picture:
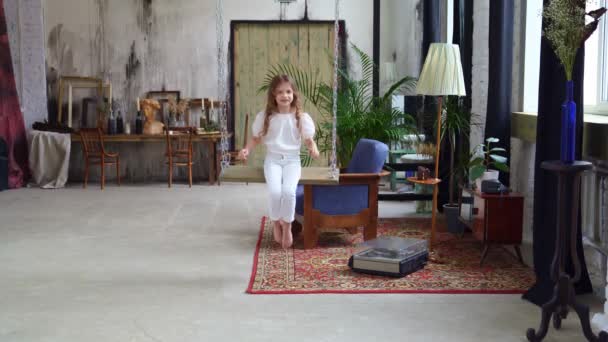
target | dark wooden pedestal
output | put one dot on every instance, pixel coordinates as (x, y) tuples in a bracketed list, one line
[(569, 180)]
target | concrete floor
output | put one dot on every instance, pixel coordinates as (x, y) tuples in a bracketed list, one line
[(147, 263)]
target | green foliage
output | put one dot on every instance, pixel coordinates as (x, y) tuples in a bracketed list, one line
[(359, 113), (485, 157), (457, 121)]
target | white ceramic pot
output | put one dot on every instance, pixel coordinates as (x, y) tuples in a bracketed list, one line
[(490, 174)]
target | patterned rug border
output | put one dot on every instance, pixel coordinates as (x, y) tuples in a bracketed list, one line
[(250, 289)]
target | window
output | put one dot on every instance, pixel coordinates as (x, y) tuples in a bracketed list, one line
[(596, 66)]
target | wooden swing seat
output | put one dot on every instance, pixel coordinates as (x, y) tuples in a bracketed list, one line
[(255, 174)]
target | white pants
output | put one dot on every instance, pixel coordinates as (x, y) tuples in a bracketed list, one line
[(282, 173)]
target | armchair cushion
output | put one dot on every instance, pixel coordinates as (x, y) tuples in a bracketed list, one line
[(334, 199), (369, 157)]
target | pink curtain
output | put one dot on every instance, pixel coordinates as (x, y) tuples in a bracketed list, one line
[(12, 127)]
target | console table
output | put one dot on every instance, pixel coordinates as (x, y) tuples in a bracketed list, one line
[(494, 219), (211, 140)]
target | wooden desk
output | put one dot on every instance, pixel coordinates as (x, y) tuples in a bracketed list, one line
[(494, 219), (211, 140)]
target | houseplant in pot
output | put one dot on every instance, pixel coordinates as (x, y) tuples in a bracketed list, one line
[(456, 124), (484, 158), (360, 114)]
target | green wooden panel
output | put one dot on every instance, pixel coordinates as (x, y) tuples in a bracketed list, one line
[(258, 47), (523, 126)]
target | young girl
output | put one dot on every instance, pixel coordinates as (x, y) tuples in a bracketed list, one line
[(282, 127)]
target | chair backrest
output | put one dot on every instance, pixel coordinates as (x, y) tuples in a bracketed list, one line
[(178, 139), (92, 141), (368, 157)]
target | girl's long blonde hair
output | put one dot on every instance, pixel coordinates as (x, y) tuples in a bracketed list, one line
[(271, 104)]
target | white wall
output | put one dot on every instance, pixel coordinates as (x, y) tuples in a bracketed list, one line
[(401, 39), (26, 32), (174, 44), (481, 62)]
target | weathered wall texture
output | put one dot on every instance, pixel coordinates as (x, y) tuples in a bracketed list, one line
[(401, 37), (26, 35), (142, 45), (481, 62)]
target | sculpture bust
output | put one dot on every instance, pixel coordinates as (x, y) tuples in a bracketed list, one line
[(150, 108)]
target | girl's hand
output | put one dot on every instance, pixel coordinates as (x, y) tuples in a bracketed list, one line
[(314, 152), (243, 154)]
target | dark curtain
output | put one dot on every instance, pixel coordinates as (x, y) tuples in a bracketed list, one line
[(498, 117), (432, 34), (431, 25), (463, 37), (12, 127), (552, 87)]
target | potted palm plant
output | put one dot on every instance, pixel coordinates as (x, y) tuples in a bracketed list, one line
[(457, 121), (359, 113)]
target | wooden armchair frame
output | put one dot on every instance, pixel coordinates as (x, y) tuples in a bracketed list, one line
[(368, 217)]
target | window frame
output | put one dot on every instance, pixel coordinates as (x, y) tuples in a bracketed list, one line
[(601, 105)]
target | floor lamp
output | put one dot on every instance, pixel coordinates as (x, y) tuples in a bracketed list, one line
[(441, 75)]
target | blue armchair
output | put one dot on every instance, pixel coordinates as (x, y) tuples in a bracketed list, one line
[(350, 204)]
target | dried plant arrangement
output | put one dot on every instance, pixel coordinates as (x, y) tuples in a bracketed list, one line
[(566, 29)]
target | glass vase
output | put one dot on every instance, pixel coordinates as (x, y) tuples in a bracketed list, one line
[(568, 133)]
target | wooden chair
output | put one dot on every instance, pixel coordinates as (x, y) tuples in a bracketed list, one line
[(179, 150), (95, 154)]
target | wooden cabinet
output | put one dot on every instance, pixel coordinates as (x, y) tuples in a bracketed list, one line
[(493, 218)]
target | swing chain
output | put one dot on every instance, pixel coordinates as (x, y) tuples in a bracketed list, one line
[(333, 169), (221, 73), (221, 85)]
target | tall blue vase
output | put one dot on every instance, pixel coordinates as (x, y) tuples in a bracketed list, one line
[(568, 134)]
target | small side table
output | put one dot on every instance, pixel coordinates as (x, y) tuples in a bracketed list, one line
[(494, 219), (569, 180)]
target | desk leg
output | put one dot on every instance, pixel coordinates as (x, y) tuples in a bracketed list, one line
[(218, 163), (484, 253), (212, 162), (433, 218)]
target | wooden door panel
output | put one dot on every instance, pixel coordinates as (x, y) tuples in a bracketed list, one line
[(258, 47)]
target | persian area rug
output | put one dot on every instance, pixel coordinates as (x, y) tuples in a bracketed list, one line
[(324, 269)]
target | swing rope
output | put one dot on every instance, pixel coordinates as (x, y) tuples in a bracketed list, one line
[(333, 171), (221, 75), (221, 86)]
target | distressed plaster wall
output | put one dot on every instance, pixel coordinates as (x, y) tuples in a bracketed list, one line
[(523, 152), (142, 45), (480, 69), (26, 39), (401, 40)]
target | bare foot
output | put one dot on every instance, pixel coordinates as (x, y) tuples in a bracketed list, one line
[(277, 232), (287, 236)]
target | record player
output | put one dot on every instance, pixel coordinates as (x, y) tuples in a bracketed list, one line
[(390, 256)]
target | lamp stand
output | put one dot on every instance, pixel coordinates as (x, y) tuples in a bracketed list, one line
[(435, 183)]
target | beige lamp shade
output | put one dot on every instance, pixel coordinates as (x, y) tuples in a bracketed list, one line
[(442, 72)]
